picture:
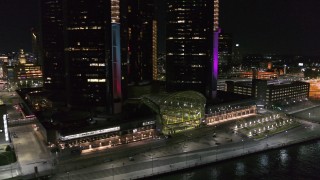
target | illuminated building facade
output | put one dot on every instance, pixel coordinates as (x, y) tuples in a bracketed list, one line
[(89, 62), (192, 46), (87, 140), (268, 92), (23, 74), (178, 111), (278, 91), (220, 114), (259, 75), (241, 87), (29, 75), (314, 89)]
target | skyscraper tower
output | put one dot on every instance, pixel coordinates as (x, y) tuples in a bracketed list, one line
[(140, 21), (51, 50), (191, 46), (88, 45)]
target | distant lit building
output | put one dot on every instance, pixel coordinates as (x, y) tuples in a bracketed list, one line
[(259, 75), (314, 89), (225, 49), (3, 64), (23, 74), (3, 59)]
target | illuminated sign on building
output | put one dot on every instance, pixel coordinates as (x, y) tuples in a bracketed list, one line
[(90, 133), (148, 123), (4, 117)]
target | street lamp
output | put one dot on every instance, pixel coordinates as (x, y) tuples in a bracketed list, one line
[(266, 140), (242, 146), (152, 162), (112, 172), (185, 151), (286, 136)]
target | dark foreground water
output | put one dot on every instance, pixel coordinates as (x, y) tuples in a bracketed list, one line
[(295, 162)]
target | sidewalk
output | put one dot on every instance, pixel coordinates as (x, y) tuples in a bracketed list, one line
[(10, 171)]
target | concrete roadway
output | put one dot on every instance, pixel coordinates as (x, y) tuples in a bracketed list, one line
[(190, 140)]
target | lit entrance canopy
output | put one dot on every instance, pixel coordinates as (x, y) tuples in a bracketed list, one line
[(178, 111)]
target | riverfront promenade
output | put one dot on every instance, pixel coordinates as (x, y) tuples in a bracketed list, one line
[(189, 155)]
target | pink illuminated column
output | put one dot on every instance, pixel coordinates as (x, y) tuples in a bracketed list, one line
[(116, 56)]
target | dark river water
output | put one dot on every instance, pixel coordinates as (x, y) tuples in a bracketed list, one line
[(300, 161)]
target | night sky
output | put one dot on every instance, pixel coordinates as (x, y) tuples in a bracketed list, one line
[(259, 26), (17, 17), (273, 26)]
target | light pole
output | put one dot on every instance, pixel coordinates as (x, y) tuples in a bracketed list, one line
[(242, 146), (184, 149), (186, 157), (266, 140), (112, 172), (216, 151), (151, 155), (286, 136), (152, 162)]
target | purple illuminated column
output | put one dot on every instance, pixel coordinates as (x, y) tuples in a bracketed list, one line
[(215, 62)]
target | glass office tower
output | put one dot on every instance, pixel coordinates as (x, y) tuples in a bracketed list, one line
[(191, 62)]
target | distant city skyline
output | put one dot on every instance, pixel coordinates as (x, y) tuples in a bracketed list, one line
[(264, 26)]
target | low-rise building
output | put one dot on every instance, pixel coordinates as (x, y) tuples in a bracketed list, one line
[(268, 92)]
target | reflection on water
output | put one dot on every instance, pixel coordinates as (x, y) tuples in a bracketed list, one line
[(283, 157), (215, 173), (295, 162), (264, 161), (240, 169)]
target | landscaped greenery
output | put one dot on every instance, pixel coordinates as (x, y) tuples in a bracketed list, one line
[(7, 155)]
